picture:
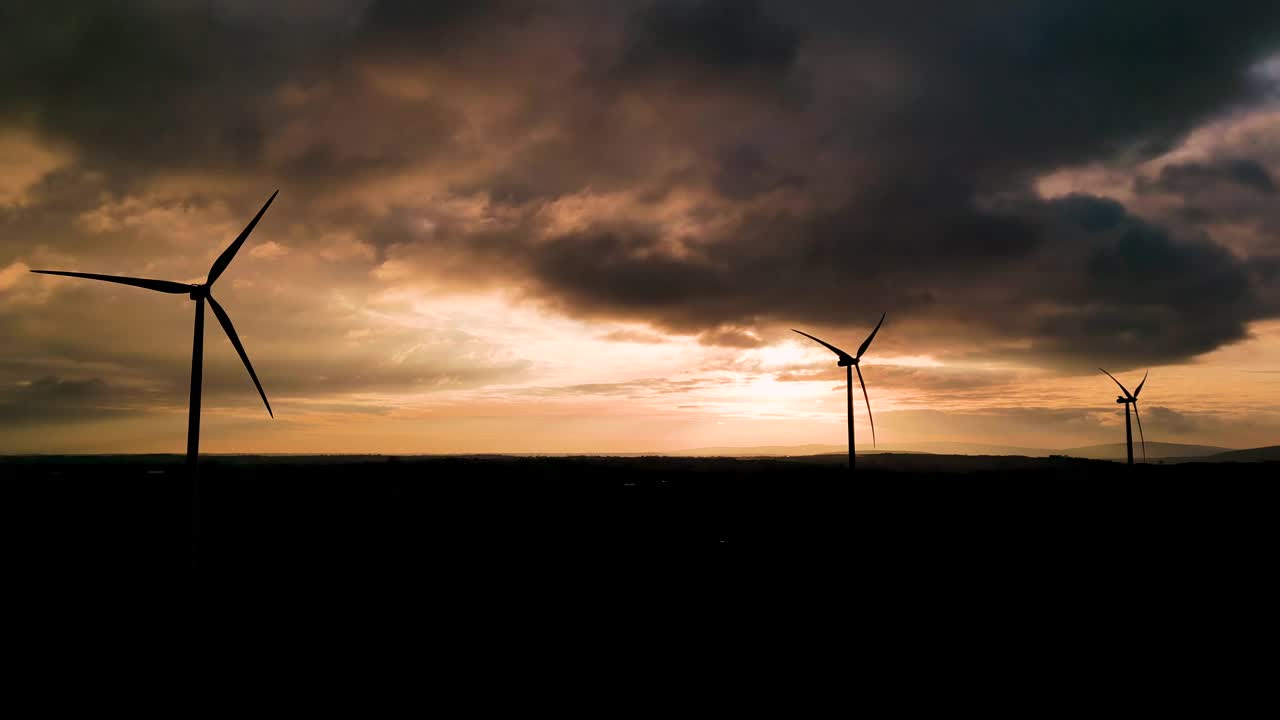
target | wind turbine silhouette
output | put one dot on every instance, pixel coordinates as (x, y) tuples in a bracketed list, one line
[(1128, 400), (200, 293), (850, 363)]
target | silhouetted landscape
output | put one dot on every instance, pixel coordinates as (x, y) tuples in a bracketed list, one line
[(552, 230), (1158, 452), (372, 512)]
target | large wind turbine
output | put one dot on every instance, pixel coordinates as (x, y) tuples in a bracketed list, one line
[(1128, 400), (850, 363), (200, 293)]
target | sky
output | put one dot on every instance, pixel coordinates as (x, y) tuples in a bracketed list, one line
[(583, 226)]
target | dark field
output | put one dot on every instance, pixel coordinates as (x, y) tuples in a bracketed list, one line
[(417, 513), (902, 513)]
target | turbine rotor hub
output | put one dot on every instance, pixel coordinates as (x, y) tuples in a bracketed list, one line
[(199, 291)]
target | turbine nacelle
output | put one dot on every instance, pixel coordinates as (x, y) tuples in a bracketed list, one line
[(199, 292), (846, 362)]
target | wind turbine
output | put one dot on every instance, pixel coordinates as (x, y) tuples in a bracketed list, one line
[(200, 293), (850, 363), (1128, 400)]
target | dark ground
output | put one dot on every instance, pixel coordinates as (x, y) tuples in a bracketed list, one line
[(1029, 584), (902, 515)]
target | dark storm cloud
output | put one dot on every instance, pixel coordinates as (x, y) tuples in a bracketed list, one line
[(709, 39), (189, 85), (623, 268), (397, 27), (1229, 192), (743, 173), (1043, 83), (1134, 293), (51, 399), (1079, 278), (835, 158), (123, 80), (1187, 178), (986, 99)]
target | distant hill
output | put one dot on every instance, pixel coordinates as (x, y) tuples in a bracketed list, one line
[(959, 448), (1262, 454), (1155, 450), (933, 448), (758, 451), (1113, 451)]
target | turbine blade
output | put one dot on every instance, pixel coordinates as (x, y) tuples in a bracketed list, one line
[(215, 271), (1139, 388), (235, 341), (1113, 377), (867, 343), (1140, 433), (864, 397), (163, 286), (843, 355)]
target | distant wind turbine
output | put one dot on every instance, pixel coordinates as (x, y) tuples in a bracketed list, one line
[(200, 293), (1128, 400), (850, 363)]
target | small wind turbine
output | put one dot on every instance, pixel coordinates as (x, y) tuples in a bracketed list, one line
[(200, 293), (1128, 400), (850, 363)]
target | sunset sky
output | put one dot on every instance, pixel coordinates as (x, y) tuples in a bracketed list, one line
[(587, 226)]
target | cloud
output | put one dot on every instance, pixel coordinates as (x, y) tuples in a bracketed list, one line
[(705, 167), (51, 399), (729, 336), (1227, 429), (269, 249), (1186, 178), (1138, 293), (709, 41), (638, 388), (11, 274), (634, 336), (408, 27), (1221, 181), (24, 162)]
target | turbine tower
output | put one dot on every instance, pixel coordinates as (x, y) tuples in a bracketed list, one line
[(200, 293), (850, 363), (1128, 400)]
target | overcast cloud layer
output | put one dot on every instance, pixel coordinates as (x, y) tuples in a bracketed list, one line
[(722, 169)]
